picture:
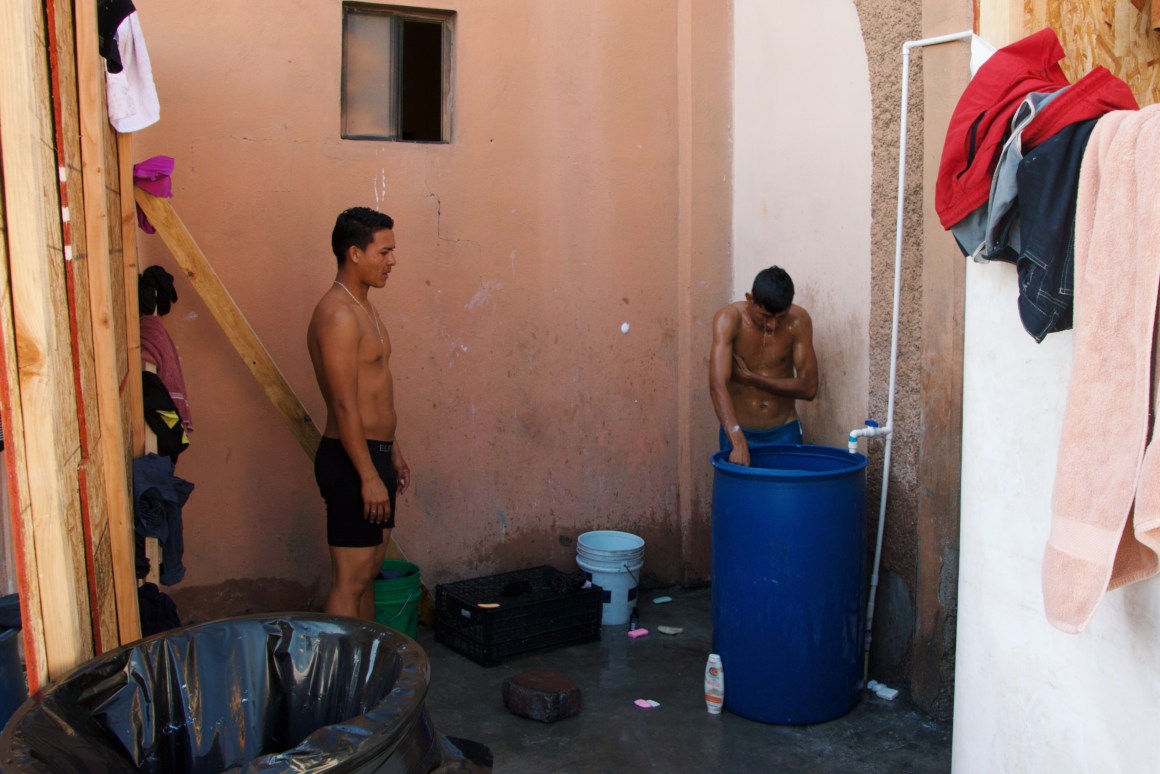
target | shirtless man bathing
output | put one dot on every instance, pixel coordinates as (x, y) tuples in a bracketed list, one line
[(359, 467), (762, 361)]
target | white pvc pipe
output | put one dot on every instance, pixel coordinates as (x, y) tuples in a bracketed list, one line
[(888, 430)]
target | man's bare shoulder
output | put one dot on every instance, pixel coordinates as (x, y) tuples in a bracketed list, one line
[(332, 315), (799, 323), (730, 315)]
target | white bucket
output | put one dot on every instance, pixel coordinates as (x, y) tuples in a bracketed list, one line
[(612, 560)]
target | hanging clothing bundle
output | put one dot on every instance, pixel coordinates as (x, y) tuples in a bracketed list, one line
[(155, 291), (129, 90), (1009, 170), (162, 418), (158, 348), (158, 497), (1105, 529), (153, 176)]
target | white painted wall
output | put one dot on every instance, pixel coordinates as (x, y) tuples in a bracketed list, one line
[(1029, 698), (801, 184)]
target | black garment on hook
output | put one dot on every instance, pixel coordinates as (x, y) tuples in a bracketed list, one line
[(110, 14), (155, 290)]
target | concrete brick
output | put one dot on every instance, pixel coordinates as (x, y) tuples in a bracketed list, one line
[(540, 695)]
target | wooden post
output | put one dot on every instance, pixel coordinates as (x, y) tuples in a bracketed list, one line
[(132, 315), (113, 440)]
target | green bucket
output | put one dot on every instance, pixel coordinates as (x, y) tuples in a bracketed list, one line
[(397, 599)]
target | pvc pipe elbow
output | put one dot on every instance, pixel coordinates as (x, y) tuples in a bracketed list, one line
[(870, 431)]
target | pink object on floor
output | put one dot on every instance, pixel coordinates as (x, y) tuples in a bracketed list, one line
[(638, 633)]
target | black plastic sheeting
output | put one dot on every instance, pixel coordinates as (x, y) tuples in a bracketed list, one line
[(283, 693)]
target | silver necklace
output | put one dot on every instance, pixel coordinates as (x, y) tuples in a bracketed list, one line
[(374, 319)]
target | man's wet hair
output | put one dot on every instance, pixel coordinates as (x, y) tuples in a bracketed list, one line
[(356, 227), (773, 289)]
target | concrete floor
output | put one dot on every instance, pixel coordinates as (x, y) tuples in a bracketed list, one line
[(612, 735)]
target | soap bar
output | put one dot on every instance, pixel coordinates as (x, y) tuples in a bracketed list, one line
[(662, 600), (638, 633)]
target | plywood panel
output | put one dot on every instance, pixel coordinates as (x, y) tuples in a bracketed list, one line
[(1112, 33), (107, 631)]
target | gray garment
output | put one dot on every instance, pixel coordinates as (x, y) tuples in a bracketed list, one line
[(991, 232)]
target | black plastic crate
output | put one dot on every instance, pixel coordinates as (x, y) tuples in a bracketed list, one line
[(536, 608)]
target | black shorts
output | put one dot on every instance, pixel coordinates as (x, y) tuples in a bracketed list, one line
[(341, 488)]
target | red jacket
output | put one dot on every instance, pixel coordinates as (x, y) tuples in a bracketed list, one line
[(983, 116), (1096, 93)]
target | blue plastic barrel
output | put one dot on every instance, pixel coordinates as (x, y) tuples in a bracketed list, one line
[(789, 565)]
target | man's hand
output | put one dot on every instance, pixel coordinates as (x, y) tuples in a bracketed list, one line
[(376, 501), (739, 455), (741, 371), (402, 471)]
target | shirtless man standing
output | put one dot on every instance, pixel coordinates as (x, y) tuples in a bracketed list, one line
[(358, 466), (761, 362)]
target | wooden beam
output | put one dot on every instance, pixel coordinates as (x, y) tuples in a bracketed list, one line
[(943, 272), (1000, 21), (225, 310), (18, 512), (113, 439), (132, 314), (51, 530)]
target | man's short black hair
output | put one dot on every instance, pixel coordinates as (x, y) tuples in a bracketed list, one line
[(357, 227), (773, 289)]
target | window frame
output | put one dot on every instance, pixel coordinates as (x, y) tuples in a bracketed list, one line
[(399, 13)]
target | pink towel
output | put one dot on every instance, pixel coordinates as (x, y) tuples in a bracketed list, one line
[(157, 348), (1105, 529)]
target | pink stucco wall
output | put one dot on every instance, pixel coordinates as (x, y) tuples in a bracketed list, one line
[(554, 217)]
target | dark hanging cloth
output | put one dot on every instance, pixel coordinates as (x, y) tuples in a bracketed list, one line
[(1048, 180), (110, 14), (158, 611), (155, 291), (162, 417), (158, 497), (9, 612)]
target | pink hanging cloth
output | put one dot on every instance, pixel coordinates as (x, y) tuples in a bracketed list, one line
[(158, 348), (152, 176)]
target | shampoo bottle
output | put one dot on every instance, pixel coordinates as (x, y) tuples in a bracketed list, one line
[(714, 684)]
